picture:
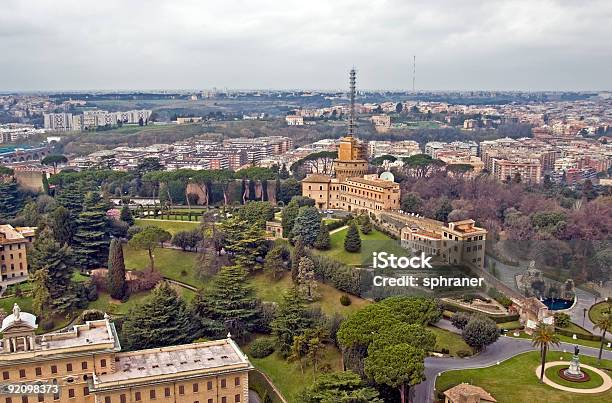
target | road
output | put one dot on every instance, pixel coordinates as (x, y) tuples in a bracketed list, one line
[(504, 348), (254, 397)]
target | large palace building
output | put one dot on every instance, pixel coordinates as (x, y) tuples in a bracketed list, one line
[(88, 366), (352, 189)]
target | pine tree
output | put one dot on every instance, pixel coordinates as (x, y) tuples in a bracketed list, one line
[(126, 215), (306, 279), (366, 225), (61, 225), (92, 236), (47, 254), (307, 225), (115, 280), (323, 241), (230, 302), (292, 319), (9, 199), (273, 264), (283, 173), (162, 320), (290, 213), (245, 242), (352, 242), (298, 253), (71, 197)]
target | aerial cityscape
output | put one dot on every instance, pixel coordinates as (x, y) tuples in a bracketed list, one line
[(371, 208)]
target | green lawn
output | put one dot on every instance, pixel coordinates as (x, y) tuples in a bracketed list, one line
[(172, 263), (449, 340), (552, 373), (269, 290), (514, 380), (574, 328), (287, 375), (597, 309), (105, 303), (510, 325), (171, 226), (373, 242), (24, 302)]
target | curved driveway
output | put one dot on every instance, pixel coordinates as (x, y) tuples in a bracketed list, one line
[(504, 348)]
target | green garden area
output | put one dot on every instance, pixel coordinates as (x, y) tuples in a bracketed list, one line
[(171, 226), (287, 376), (375, 241), (598, 309), (515, 380), (171, 263)]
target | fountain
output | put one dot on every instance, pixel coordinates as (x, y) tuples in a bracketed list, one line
[(573, 372)]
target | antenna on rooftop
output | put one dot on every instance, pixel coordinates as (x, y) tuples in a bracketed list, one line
[(352, 86), (413, 71)]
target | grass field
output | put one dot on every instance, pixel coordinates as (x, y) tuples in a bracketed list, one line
[(449, 340), (171, 226), (105, 303), (174, 264), (288, 377), (597, 309), (514, 380), (373, 242), (272, 291)]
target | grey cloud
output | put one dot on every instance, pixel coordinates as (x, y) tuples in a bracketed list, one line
[(467, 44)]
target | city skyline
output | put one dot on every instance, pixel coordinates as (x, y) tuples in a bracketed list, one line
[(468, 46)]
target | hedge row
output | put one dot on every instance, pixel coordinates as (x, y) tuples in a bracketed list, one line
[(495, 318)]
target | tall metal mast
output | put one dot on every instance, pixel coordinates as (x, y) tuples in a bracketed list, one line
[(351, 121), (413, 71)]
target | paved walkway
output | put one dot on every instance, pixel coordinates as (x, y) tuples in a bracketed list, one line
[(607, 382), (253, 397), (501, 350)]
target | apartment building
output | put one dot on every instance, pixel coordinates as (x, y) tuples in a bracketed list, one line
[(382, 123), (59, 122), (88, 366), (13, 253), (434, 147), (529, 170), (294, 120), (399, 149)]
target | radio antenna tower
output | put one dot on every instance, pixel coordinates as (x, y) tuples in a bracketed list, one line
[(413, 71), (351, 119)]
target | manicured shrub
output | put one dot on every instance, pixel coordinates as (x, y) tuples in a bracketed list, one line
[(262, 348), (345, 300), (463, 353)]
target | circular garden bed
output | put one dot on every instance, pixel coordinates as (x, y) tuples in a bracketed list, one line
[(593, 380)]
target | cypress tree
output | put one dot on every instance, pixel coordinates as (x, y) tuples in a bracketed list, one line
[(352, 242), (229, 301), (126, 215), (115, 280), (161, 320), (9, 199), (298, 253), (323, 241), (92, 236)]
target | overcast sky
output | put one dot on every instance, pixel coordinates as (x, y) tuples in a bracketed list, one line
[(248, 44)]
